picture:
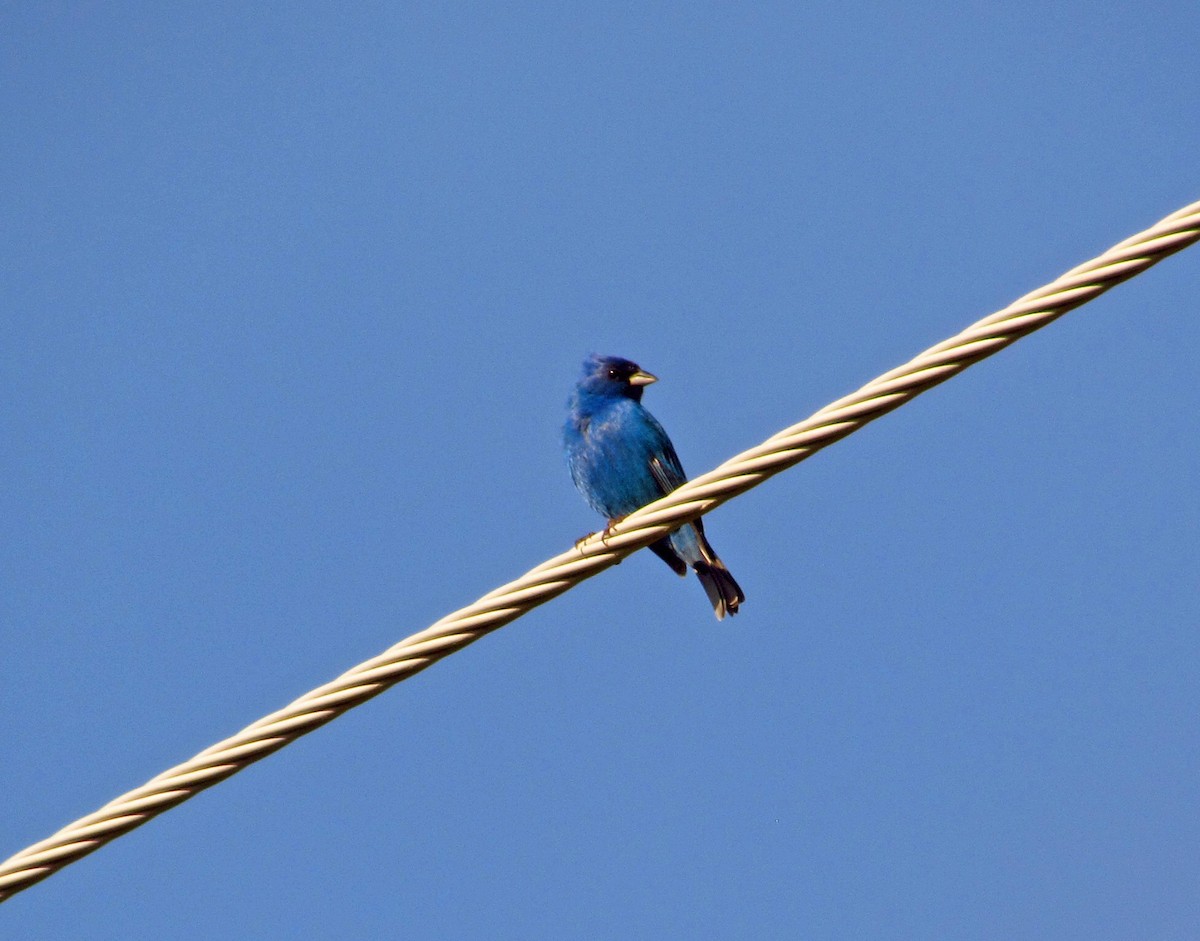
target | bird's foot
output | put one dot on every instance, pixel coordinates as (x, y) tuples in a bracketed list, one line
[(582, 539), (603, 535), (609, 528)]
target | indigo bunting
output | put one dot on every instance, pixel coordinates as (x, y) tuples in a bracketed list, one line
[(621, 459)]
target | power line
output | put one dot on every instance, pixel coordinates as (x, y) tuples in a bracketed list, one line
[(594, 555)]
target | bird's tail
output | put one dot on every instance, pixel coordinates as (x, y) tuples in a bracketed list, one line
[(724, 593)]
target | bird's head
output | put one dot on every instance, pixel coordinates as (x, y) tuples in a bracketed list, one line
[(613, 376)]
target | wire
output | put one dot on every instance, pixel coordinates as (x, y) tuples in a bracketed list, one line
[(597, 553)]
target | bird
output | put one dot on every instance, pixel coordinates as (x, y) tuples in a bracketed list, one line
[(620, 459)]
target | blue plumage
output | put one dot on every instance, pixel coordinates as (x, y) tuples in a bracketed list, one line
[(621, 459)]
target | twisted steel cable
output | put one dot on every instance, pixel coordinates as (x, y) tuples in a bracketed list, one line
[(599, 552)]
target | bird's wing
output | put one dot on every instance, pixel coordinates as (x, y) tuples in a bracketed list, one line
[(668, 474), (666, 470)]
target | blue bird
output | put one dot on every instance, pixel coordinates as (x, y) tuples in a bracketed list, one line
[(621, 459)]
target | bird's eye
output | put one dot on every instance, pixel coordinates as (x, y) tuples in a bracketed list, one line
[(614, 373)]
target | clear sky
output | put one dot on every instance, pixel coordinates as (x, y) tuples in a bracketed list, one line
[(293, 296)]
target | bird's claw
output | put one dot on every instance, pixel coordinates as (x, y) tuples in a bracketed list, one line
[(609, 528), (581, 540), (603, 535)]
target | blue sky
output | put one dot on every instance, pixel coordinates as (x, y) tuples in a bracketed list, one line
[(295, 296)]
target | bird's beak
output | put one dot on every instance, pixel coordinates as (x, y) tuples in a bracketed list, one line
[(642, 378)]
